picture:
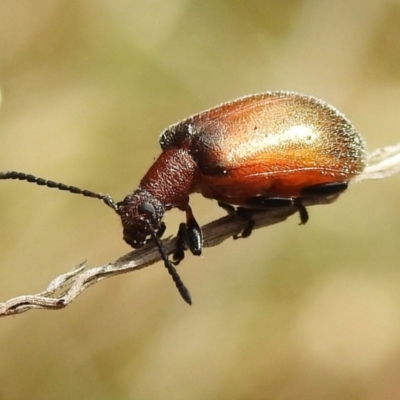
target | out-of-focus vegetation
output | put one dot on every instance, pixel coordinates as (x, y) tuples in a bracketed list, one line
[(291, 313)]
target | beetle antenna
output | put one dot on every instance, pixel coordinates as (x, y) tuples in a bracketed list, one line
[(184, 292), (61, 186)]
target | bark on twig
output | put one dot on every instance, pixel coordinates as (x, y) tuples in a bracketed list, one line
[(64, 289)]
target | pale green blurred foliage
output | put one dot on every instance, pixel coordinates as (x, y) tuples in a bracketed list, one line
[(291, 313)]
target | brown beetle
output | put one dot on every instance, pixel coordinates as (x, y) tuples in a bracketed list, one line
[(261, 151)]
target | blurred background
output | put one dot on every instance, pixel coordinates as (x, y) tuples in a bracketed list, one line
[(309, 312)]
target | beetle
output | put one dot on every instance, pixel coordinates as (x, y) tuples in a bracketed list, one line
[(268, 150)]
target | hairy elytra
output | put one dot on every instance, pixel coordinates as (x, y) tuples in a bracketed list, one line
[(262, 151)]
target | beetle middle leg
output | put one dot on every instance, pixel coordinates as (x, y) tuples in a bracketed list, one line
[(243, 213)]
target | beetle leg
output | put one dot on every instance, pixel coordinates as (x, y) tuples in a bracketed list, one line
[(247, 215), (228, 208), (325, 189), (261, 203), (161, 229), (302, 210), (243, 213), (179, 253), (189, 236), (193, 234)]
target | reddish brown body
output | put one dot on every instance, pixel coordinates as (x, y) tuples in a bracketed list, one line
[(271, 145), (267, 150), (268, 144)]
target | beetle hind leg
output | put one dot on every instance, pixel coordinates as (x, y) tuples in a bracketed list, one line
[(304, 217), (325, 189)]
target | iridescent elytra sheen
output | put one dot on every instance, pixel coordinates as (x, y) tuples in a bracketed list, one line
[(275, 149)]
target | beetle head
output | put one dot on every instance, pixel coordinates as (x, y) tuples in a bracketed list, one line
[(141, 213)]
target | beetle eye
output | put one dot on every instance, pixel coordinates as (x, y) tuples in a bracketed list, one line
[(147, 208)]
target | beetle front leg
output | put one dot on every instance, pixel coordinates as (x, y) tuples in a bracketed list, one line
[(189, 236)]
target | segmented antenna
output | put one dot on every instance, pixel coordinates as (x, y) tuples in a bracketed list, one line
[(60, 186), (183, 290)]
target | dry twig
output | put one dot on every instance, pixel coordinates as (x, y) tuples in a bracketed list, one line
[(67, 287)]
